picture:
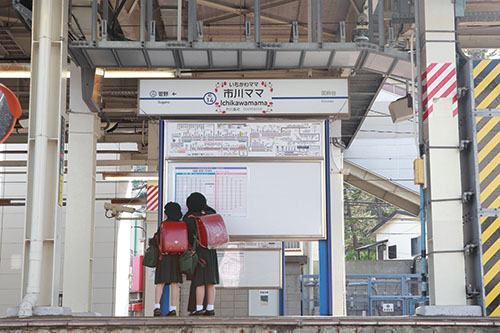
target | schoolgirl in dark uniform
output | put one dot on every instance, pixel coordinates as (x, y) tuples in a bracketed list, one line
[(204, 278), (167, 270)]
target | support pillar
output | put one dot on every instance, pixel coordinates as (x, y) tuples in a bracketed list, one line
[(79, 230), (440, 127), (151, 226), (331, 250), (151, 223), (123, 248), (337, 222), (47, 104)]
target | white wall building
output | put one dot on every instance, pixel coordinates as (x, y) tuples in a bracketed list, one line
[(401, 233)]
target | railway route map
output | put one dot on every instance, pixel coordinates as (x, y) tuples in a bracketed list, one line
[(269, 139)]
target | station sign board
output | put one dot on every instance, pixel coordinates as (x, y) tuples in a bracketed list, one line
[(258, 97)]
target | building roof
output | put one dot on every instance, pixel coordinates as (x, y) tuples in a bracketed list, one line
[(389, 218), (365, 247)]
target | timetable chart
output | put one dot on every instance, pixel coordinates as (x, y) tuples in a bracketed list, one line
[(226, 188), (269, 139)]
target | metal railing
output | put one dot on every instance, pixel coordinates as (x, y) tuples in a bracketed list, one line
[(381, 294), (310, 295), (368, 294)]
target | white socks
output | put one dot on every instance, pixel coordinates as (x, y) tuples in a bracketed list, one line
[(157, 306), (210, 307), (199, 307), (173, 308)]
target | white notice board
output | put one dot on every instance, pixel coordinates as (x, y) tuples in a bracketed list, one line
[(262, 97), (259, 201), (250, 268)]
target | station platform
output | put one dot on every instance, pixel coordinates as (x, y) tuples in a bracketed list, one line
[(251, 324)]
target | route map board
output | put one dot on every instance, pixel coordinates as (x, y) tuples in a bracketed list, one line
[(275, 200), (224, 187), (269, 139)]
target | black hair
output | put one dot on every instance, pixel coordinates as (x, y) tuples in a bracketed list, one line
[(173, 211)]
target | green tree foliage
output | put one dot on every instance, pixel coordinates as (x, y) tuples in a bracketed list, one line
[(477, 54), (362, 212)]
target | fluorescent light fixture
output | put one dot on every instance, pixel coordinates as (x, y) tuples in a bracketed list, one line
[(129, 176), (20, 74), (108, 73), (15, 74), (139, 74)]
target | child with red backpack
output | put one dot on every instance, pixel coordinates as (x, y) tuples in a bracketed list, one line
[(167, 269), (204, 278)]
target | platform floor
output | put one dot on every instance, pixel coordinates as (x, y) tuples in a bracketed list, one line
[(251, 324)]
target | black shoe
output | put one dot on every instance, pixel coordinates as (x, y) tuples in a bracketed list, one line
[(209, 313), (171, 313), (197, 313), (157, 312)]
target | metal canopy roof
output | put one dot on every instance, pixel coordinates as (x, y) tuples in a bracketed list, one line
[(370, 65), (238, 56)]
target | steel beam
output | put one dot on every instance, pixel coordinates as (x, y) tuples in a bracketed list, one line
[(149, 20), (381, 188), (370, 21), (381, 25), (191, 20), (256, 21), (142, 20), (93, 27), (319, 22), (470, 183), (312, 21)]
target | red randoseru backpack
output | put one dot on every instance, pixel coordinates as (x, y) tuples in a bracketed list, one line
[(211, 230), (173, 237)]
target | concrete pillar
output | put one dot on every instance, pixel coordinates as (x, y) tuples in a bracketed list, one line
[(443, 192), (47, 104), (151, 225), (79, 230), (153, 145), (337, 224), (123, 247)]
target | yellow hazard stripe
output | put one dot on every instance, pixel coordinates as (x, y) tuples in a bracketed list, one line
[(487, 80), (490, 98), (492, 295), (489, 146), (489, 168), (491, 251), (491, 230), (487, 128), (495, 183), (486, 92), (480, 66), (494, 204), (488, 276), (496, 312)]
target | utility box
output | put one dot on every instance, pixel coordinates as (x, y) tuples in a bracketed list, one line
[(263, 302), (419, 171)]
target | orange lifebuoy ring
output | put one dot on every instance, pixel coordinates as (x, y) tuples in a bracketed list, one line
[(14, 108)]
